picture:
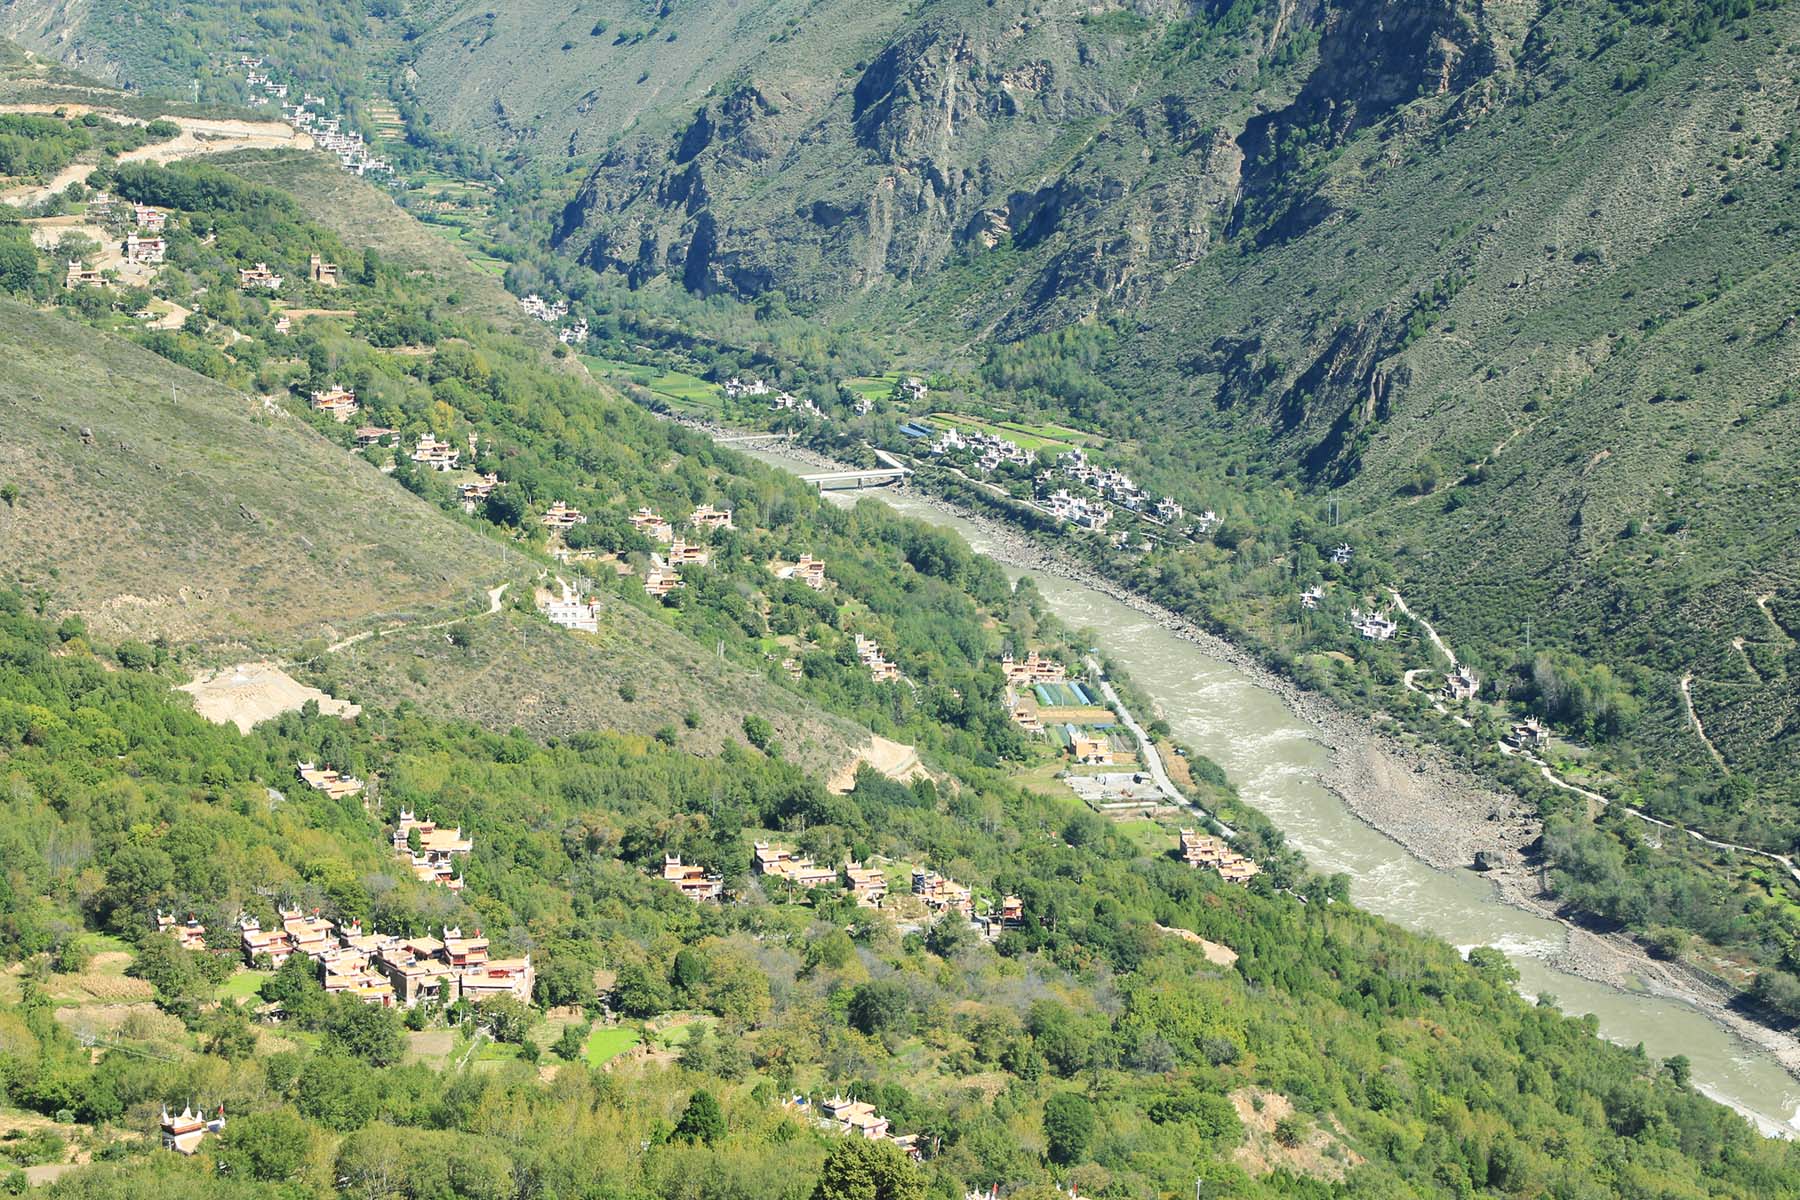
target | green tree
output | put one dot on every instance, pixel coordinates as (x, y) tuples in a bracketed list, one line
[(881, 1006), (570, 1045), (859, 1169), (758, 732), (564, 980), (269, 1146), (508, 1019), (18, 264), (640, 991), (1068, 1127), (687, 975), (366, 1031), (703, 1120)]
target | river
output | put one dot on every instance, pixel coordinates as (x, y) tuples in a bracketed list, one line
[(1274, 759)]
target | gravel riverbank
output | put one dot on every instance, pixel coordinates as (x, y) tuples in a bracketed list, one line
[(1439, 811)]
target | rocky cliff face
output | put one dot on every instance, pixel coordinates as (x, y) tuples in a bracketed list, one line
[(1109, 150)]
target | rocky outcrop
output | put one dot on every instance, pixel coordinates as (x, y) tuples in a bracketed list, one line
[(963, 134), (1374, 56)]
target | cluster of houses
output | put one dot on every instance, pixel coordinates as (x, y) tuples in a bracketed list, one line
[(571, 611), (260, 276), (435, 454), (1033, 668), (855, 1118), (809, 570), (575, 333), (307, 116), (779, 401), (664, 573), (1528, 734), (1115, 485), (189, 934), (788, 402), (183, 1132), (881, 669), (868, 885), (740, 389), (145, 250), (1079, 511), (434, 859), (709, 518), (562, 516), (942, 894), (1203, 850), (473, 492), (386, 969), (547, 311), (652, 525), (1010, 915), (80, 276), (988, 451), (660, 579), (1090, 747), (694, 882), (1460, 685), (338, 402), (1310, 598), (324, 779), (778, 862), (1376, 626)]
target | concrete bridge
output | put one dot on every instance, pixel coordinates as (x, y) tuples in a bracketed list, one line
[(832, 481)]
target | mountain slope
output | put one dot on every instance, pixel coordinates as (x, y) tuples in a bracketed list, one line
[(153, 502)]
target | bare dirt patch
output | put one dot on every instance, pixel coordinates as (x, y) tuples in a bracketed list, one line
[(249, 693), (897, 762), (1217, 953), (1316, 1151)]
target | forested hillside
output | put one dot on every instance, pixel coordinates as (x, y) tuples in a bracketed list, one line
[(1090, 1047)]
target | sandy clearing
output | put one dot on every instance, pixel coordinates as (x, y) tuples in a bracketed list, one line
[(249, 693), (1318, 1153), (897, 762), (1218, 954), (198, 136)]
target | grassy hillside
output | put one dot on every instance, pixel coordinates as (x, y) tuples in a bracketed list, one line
[(154, 502)]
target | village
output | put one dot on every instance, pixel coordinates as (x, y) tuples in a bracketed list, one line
[(329, 132)]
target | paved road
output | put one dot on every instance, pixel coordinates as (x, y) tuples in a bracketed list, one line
[(1147, 750)]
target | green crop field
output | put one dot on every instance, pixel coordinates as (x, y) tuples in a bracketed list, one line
[(607, 1043), (241, 987), (683, 391), (1028, 437), (873, 387)]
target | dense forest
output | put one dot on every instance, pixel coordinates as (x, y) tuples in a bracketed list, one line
[(1091, 1047)]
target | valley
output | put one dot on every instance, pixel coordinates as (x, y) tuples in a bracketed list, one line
[(1316, 421)]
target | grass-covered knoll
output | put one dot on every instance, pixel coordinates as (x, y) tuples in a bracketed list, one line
[(1086, 1047), (154, 502)]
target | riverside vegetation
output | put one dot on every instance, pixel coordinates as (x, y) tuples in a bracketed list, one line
[(1089, 1048)]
